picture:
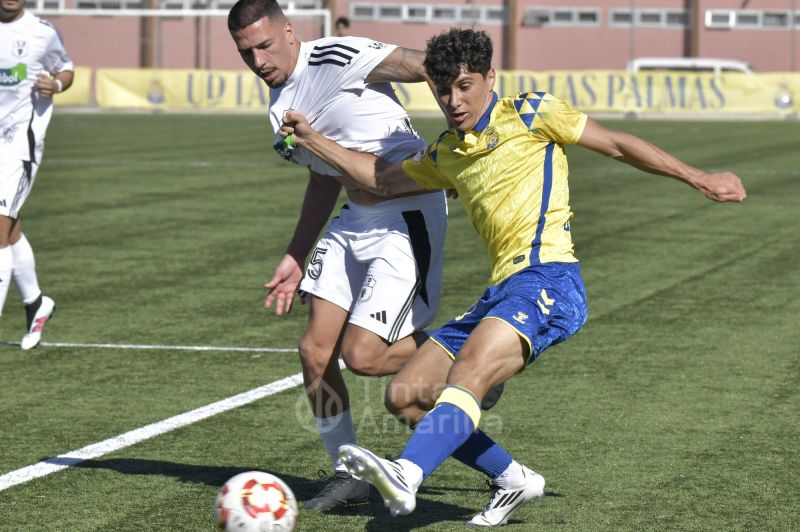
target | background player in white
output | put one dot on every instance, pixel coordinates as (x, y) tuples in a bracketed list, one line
[(33, 66), (375, 275)]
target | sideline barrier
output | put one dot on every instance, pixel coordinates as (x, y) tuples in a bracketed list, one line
[(599, 91), (80, 93), (224, 90)]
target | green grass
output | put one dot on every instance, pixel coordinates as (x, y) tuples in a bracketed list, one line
[(676, 408)]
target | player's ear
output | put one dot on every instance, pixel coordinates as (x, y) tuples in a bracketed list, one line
[(490, 77), (289, 30)]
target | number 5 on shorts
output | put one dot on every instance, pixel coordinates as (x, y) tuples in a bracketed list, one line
[(315, 264)]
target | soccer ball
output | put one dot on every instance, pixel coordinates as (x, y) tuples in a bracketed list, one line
[(255, 502)]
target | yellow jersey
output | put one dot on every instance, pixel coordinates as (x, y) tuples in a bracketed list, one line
[(510, 172)]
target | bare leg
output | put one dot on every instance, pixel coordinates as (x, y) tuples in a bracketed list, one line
[(319, 349), (415, 388), (367, 354)]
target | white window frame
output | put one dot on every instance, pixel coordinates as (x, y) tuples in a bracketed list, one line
[(740, 14), (443, 7), (454, 14), (42, 5), (683, 13), (381, 16), (499, 10), (639, 15), (355, 7), (409, 18), (598, 16), (465, 16), (550, 14), (728, 14), (778, 12), (621, 10)]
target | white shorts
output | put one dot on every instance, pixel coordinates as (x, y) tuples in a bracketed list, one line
[(16, 181), (383, 264)]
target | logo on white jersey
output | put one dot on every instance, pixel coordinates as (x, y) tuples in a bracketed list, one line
[(377, 45), (19, 48), (14, 75)]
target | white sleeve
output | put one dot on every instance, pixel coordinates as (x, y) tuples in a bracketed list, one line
[(55, 57), (348, 60)]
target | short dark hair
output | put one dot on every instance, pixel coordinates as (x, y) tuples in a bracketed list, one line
[(246, 12), (449, 52), (342, 21)]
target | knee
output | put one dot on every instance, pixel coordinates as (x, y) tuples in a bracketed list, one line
[(363, 358), (396, 398), (313, 357)]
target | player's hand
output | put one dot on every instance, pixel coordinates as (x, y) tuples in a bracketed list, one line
[(45, 85), (283, 285), (722, 186), (295, 124)]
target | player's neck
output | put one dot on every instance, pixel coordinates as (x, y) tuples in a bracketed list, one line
[(9, 17)]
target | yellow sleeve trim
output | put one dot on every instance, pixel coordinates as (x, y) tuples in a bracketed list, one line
[(579, 129)]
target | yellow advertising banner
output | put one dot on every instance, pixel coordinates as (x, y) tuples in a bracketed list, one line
[(80, 93), (592, 91), (224, 90), (662, 92)]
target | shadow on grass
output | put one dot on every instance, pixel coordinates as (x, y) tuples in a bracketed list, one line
[(428, 511)]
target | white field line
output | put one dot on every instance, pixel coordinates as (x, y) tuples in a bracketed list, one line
[(157, 347), (140, 163), (63, 461)]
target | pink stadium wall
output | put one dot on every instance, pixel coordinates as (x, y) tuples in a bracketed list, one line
[(183, 43)]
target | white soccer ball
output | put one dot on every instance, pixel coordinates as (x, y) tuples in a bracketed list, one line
[(255, 502)]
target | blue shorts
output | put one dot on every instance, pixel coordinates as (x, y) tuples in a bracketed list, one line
[(545, 304)]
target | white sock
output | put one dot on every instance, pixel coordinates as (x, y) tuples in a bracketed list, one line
[(6, 260), (512, 476), (412, 473), (335, 431), (24, 271)]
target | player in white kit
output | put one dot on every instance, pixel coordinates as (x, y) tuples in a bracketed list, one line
[(33, 66), (375, 276)]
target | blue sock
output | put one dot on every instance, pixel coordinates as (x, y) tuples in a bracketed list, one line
[(443, 430), (483, 454)]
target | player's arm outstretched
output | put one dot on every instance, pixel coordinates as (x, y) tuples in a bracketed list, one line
[(363, 170), (627, 148), (318, 203)]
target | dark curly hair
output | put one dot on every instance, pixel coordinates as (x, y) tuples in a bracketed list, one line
[(447, 53), (246, 12)]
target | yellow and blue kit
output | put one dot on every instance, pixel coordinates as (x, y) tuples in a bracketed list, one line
[(511, 173)]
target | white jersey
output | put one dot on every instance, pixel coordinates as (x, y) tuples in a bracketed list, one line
[(28, 47), (328, 87)]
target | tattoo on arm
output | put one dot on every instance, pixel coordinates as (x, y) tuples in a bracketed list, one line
[(402, 65)]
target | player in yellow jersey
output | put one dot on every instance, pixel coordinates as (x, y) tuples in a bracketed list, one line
[(505, 158)]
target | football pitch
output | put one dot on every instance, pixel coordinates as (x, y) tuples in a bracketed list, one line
[(677, 407)]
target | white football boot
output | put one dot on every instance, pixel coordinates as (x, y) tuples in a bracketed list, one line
[(505, 500), (397, 481), (37, 318)]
